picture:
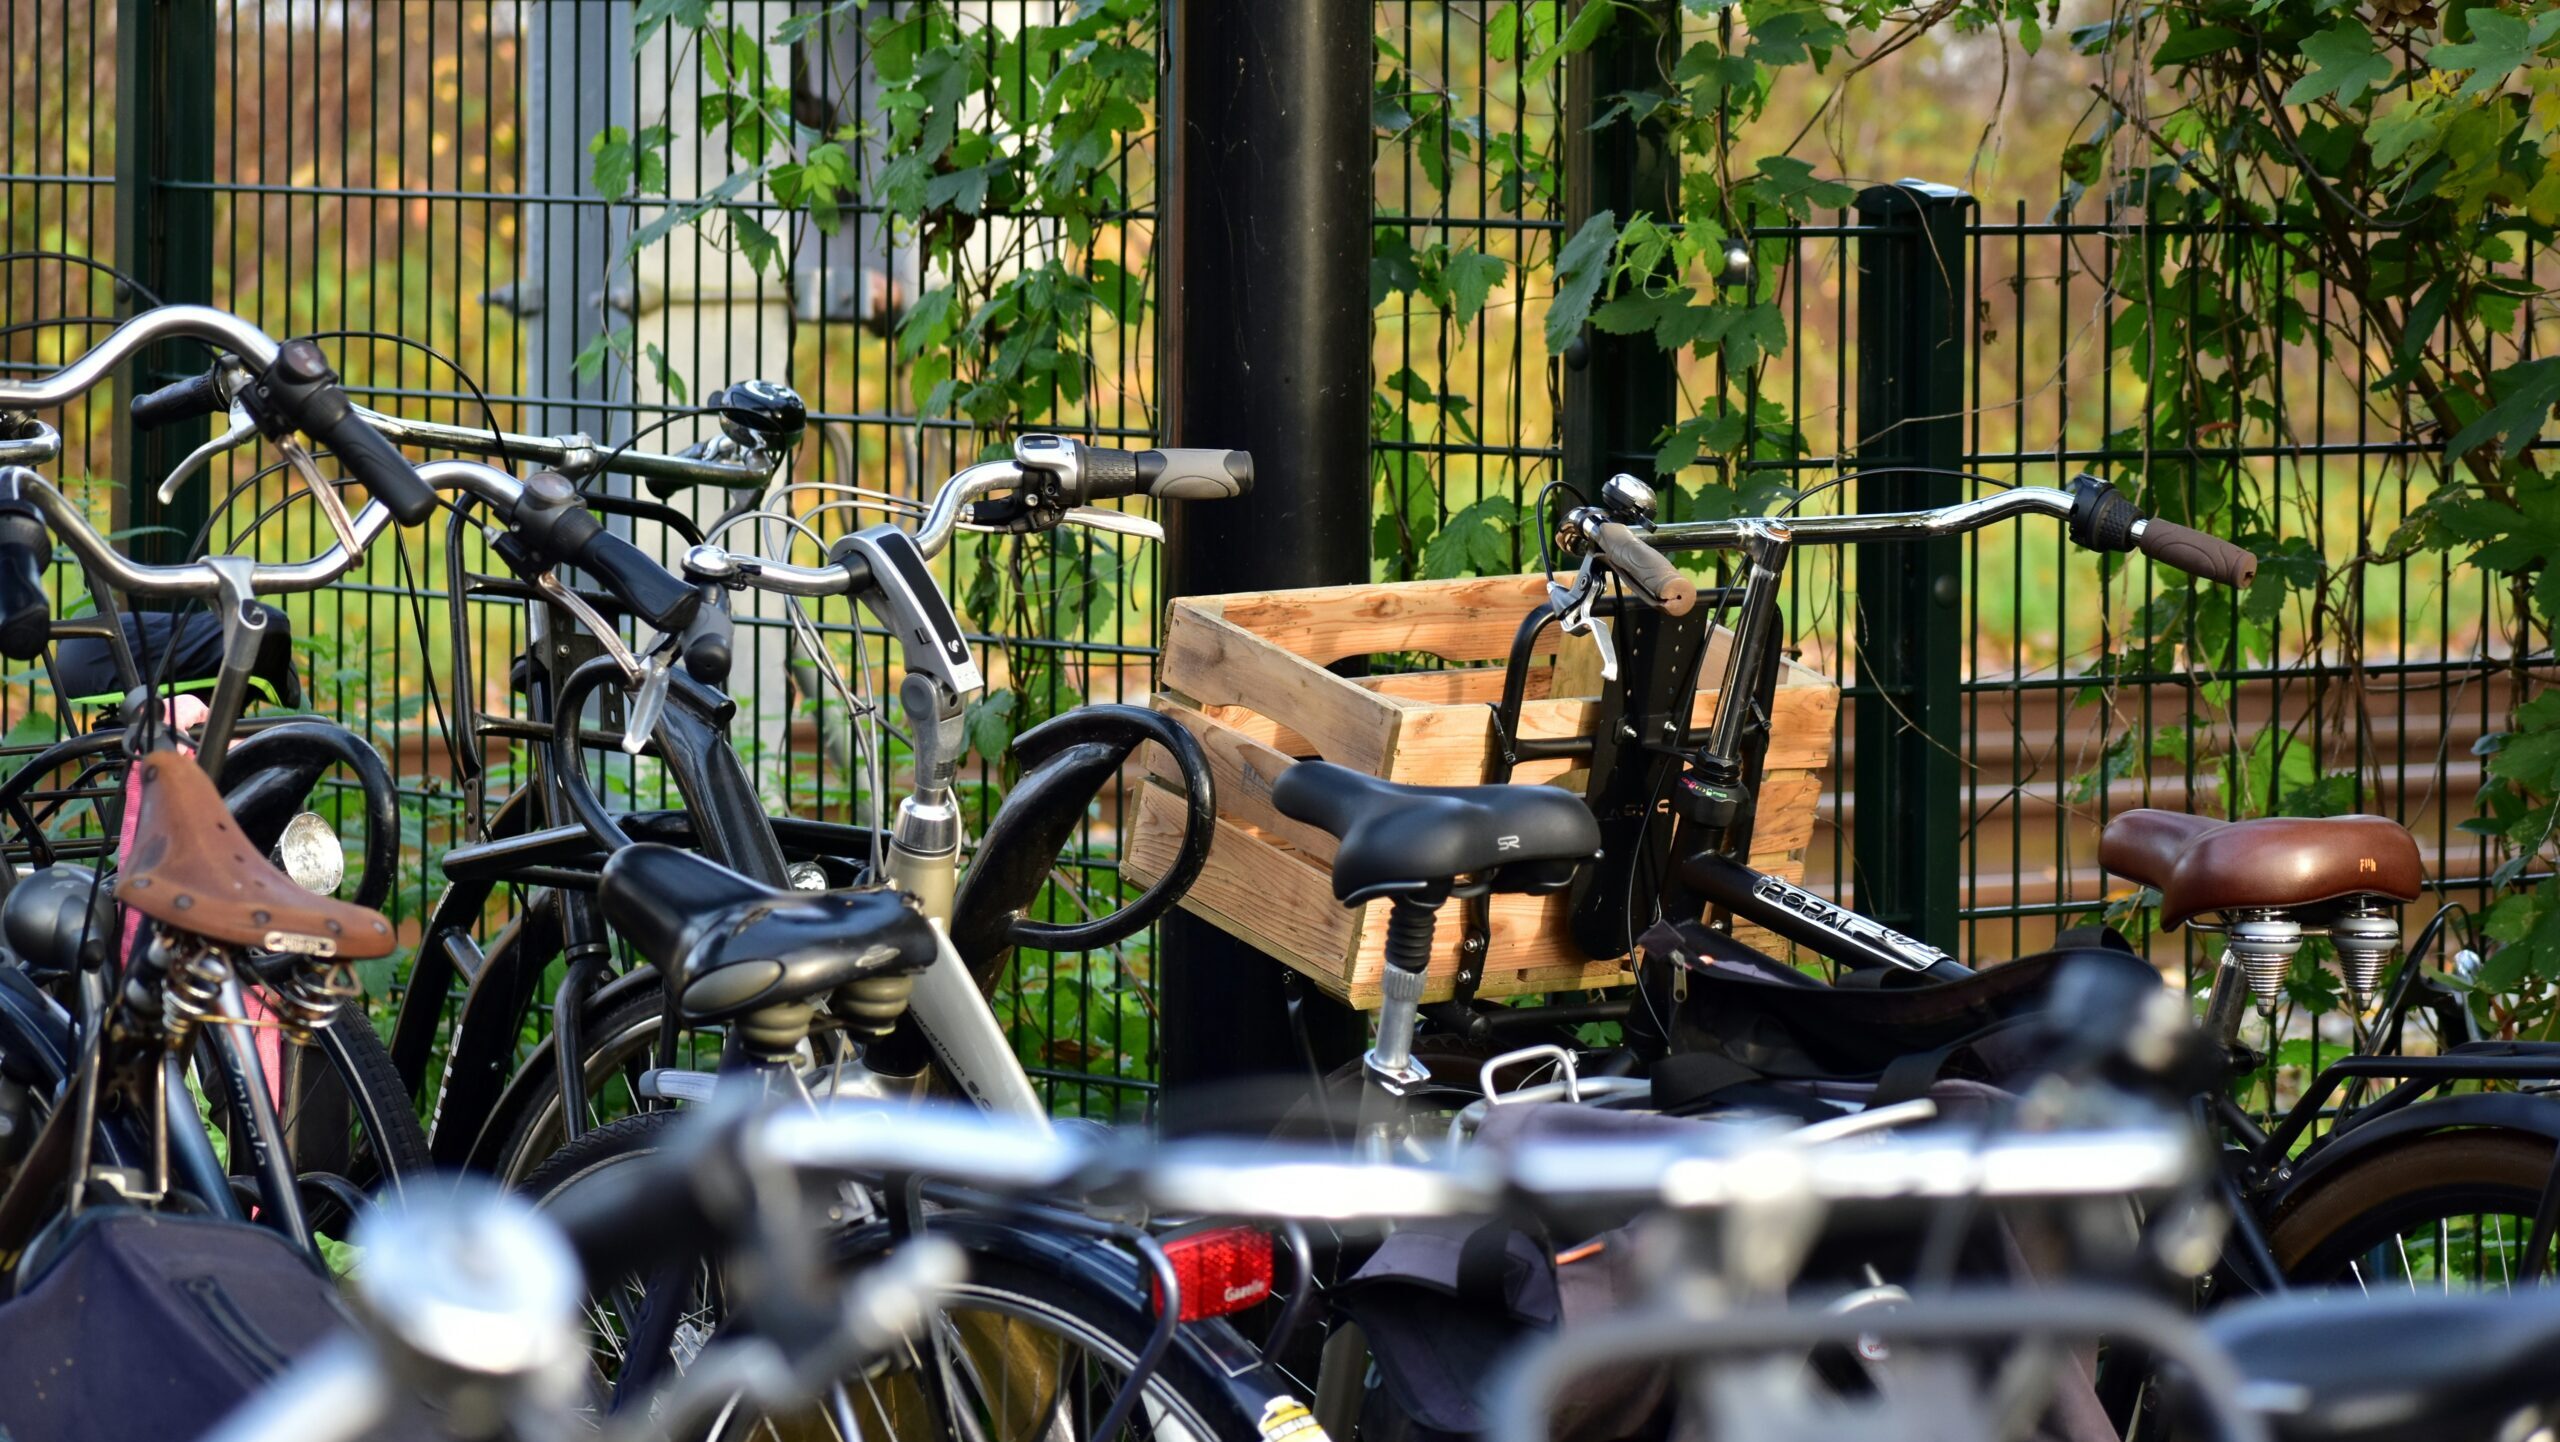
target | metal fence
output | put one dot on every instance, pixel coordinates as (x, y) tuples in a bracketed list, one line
[(422, 170)]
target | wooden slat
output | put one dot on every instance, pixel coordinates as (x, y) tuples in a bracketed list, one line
[(1527, 953), (1479, 686), (1250, 889), (1243, 770), (1473, 619), (1217, 664)]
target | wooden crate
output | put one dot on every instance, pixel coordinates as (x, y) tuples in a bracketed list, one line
[(1246, 674)]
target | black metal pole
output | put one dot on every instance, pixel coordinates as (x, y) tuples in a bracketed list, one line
[(1620, 391), (1265, 326), (164, 239), (1913, 323)]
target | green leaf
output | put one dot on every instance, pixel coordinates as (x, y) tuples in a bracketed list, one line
[(1790, 183), (615, 162), (651, 16), (2499, 44), (589, 361), (1472, 275), (2347, 65), (2527, 392), (2194, 44), (1580, 268), (1118, 291), (760, 246), (667, 377), (989, 722)]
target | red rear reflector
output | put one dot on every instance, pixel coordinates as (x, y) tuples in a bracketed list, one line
[(1221, 1270)]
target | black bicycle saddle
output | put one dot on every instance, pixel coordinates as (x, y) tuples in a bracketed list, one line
[(729, 945), (2337, 1365), (1417, 840)]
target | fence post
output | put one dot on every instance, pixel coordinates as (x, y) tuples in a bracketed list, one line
[(1620, 391), (1913, 328), (164, 239), (1264, 329)]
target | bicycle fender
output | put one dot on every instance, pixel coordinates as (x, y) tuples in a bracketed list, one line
[(2502, 1111), (1108, 1271)]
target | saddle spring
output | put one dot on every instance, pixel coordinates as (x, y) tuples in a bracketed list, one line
[(309, 998), (189, 993)]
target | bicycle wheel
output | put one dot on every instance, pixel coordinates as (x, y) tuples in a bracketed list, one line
[(345, 1114), (2440, 1212), (1018, 1351), (524, 1126)]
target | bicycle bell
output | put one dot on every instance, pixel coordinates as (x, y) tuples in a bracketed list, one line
[(1624, 495), (761, 415)]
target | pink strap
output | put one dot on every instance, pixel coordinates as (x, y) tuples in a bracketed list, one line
[(185, 713)]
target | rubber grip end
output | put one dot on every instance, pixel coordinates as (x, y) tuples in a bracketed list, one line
[(1643, 567), (1195, 475), (2206, 557)]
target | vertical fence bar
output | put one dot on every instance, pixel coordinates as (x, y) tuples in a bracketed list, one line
[(1619, 390), (1265, 341), (1913, 356), (164, 239)]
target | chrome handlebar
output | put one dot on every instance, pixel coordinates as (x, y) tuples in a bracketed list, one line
[(207, 579), (573, 455), (169, 322), (1714, 1168), (1859, 526)]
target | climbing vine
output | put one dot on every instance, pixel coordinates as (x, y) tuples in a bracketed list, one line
[(2371, 185)]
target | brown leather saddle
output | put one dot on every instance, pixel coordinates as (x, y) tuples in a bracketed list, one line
[(2201, 866), (192, 869)]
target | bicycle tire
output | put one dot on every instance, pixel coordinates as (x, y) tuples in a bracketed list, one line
[(363, 1087), (523, 1129), (2483, 1182), (1192, 1394)]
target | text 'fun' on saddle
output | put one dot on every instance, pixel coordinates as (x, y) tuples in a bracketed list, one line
[(192, 869), (728, 944), (1400, 840), (2204, 867)]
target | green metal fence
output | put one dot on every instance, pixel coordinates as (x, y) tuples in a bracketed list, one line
[(423, 169)]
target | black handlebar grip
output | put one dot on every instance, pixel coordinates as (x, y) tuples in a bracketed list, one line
[(2207, 557), (662, 598), (191, 399), (26, 614), (305, 390), (1635, 559), (1195, 475), (1105, 474)]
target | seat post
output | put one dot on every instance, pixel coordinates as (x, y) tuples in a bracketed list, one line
[(1390, 1063)]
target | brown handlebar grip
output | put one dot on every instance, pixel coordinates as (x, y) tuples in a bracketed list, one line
[(1633, 558), (2207, 557)]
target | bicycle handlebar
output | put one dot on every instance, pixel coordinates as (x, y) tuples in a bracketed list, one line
[(203, 580), (2101, 520), (1640, 565)]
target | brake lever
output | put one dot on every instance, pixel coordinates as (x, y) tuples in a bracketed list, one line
[(607, 636), (649, 702), (323, 493), (242, 431), (1574, 618), (1119, 523)]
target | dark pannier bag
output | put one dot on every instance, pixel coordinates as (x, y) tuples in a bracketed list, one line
[(148, 1327)]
